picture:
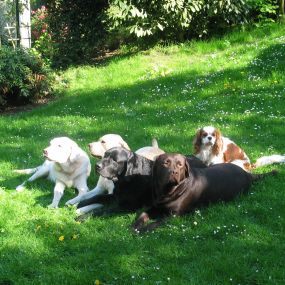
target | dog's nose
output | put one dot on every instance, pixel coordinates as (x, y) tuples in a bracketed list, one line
[(90, 145), (45, 152), (174, 172), (209, 138), (98, 166)]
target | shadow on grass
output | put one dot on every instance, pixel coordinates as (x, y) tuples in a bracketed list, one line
[(187, 99), (168, 108)]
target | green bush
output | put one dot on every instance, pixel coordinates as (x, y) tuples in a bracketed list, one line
[(23, 77), (264, 10), (67, 32), (175, 19)]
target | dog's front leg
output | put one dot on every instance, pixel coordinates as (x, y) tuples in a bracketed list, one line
[(141, 226), (58, 192), (140, 222), (81, 185), (79, 198)]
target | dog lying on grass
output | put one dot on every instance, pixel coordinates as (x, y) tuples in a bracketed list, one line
[(178, 188), (104, 185), (213, 148), (132, 177), (67, 165)]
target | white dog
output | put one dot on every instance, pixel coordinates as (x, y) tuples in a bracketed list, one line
[(97, 149), (66, 164)]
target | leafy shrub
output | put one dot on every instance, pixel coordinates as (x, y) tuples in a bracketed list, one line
[(175, 19), (23, 77), (74, 31), (264, 10), (41, 35)]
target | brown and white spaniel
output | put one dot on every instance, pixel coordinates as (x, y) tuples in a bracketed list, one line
[(212, 148)]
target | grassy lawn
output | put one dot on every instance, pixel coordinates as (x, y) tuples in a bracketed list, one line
[(236, 83)]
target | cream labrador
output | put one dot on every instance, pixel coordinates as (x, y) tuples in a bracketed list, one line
[(66, 164), (97, 149)]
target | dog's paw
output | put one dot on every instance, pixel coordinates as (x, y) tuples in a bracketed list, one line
[(79, 212), (135, 230), (70, 206), (137, 227), (52, 206), (20, 188)]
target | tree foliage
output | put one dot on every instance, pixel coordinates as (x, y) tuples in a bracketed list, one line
[(76, 28), (264, 10), (78, 31), (175, 17)]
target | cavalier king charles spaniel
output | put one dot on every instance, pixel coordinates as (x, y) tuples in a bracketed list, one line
[(212, 148)]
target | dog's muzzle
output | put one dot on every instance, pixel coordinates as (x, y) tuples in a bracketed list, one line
[(45, 154)]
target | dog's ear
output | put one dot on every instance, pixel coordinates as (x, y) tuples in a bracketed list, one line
[(218, 143), (122, 161), (124, 145), (74, 153), (197, 141), (125, 154), (122, 167), (187, 168)]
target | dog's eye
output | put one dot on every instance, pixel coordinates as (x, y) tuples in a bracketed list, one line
[(59, 145), (166, 162), (103, 142), (204, 135), (213, 135)]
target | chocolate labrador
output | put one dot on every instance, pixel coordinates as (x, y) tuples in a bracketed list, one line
[(178, 188)]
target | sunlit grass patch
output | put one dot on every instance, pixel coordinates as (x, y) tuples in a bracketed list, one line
[(236, 83)]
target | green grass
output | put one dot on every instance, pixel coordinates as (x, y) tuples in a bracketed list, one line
[(236, 83)]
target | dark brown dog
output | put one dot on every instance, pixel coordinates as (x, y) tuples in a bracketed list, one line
[(177, 188)]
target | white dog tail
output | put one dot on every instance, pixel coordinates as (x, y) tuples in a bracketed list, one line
[(26, 171), (154, 143), (267, 160)]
